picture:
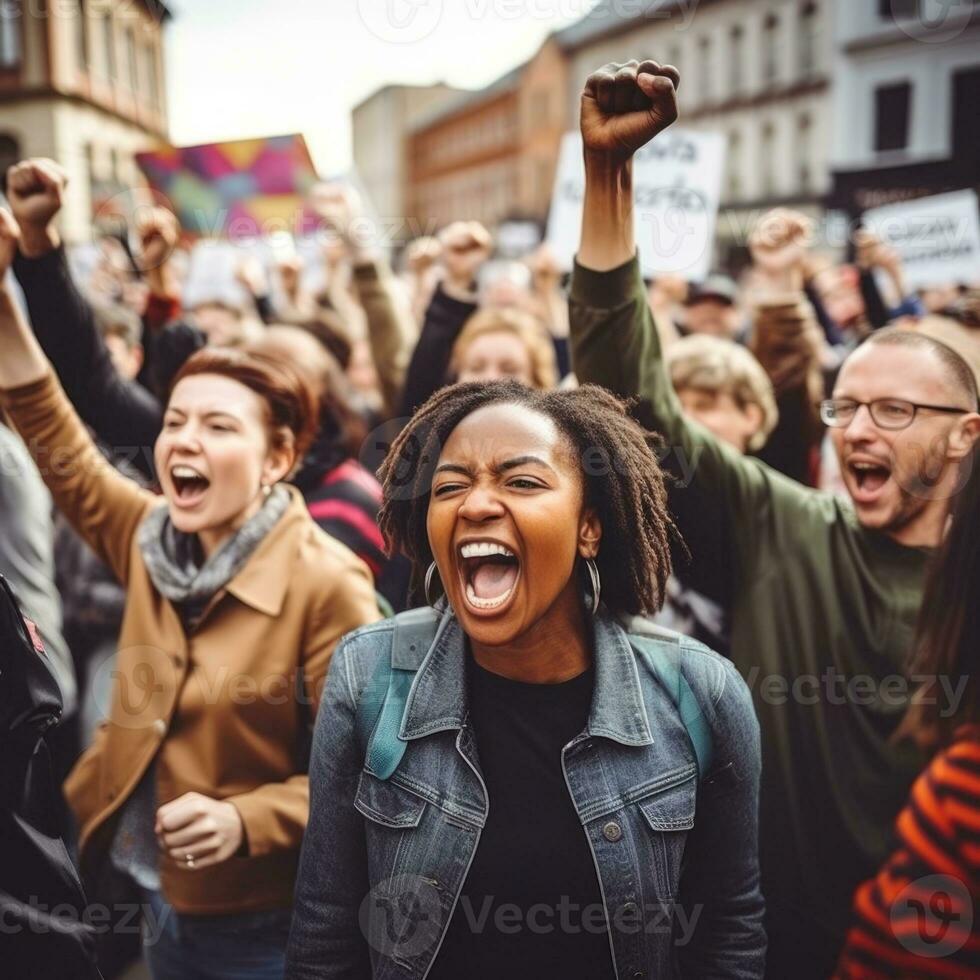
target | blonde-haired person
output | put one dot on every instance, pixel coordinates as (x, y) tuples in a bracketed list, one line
[(504, 343), (721, 385)]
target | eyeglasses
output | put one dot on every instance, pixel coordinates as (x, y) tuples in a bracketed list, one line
[(887, 413)]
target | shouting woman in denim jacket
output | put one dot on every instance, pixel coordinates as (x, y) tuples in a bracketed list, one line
[(551, 786)]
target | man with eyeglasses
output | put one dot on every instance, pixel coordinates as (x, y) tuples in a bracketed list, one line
[(822, 592)]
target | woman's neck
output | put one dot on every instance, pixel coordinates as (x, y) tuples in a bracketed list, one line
[(557, 648)]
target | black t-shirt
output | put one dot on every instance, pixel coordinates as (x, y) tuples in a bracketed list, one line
[(530, 906)]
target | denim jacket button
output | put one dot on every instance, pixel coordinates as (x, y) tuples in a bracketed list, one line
[(612, 831)]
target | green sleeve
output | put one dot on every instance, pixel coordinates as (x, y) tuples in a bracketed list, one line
[(727, 507)]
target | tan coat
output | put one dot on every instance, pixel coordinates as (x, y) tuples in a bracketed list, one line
[(225, 711)]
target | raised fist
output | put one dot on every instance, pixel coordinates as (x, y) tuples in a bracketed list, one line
[(9, 236), (158, 233), (466, 245), (36, 190), (780, 239), (873, 253), (422, 254), (625, 105)]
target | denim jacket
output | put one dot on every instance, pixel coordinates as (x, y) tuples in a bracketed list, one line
[(384, 861)]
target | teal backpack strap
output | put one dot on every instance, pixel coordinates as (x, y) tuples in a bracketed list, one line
[(382, 703), (667, 669)]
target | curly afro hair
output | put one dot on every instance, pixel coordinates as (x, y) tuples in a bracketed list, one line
[(621, 475)]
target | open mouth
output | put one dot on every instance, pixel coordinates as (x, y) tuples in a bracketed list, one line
[(489, 572), (190, 484), (869, 478)]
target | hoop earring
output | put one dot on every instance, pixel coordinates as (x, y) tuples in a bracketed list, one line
[(429, 574), (596, 583)]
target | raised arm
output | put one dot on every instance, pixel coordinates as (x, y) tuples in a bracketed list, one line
[(102, 505), (720, 500), (123, 413), (466, 245)]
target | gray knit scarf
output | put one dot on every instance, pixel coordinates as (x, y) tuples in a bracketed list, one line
[(176, 562)]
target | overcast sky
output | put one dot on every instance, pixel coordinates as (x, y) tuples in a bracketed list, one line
[(242, 68)]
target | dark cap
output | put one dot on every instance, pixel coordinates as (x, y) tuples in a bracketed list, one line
[(716, 287)]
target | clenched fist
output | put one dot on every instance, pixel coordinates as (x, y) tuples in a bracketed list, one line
[(625, 105), (197, 831), (36, 192), (158, 232)]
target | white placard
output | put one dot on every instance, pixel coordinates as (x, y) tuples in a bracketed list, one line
[(938, 238), (676, 190)]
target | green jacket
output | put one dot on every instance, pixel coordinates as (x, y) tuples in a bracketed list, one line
[(822, 614)]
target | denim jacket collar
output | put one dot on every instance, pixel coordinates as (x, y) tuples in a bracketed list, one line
[(438, 699)]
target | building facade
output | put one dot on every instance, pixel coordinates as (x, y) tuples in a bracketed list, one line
[(82, 82), (906, 98), (380, 125), (491, 155), (757, 71)]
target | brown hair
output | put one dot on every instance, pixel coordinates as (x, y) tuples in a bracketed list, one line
[(290, 402), (540, 349)]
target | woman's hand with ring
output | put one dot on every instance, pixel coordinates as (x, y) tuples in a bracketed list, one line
[(197, 831)]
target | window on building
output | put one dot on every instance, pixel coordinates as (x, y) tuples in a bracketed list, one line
[(892, 116), (81, 36), (108, 45), (9, 151), (965, 123), (131, 63), (540, 103), (804, 143), (10, 27), (736, 64), (770, 52), (152, 78), (735, 165), (704, 69), (889, 9), (767, 177), (809, 39)]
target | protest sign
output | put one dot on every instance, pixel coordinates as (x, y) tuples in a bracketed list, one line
[(240, 189), (676, 190), (937, 238)]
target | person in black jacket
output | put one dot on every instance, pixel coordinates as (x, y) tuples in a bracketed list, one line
[(43, 921)]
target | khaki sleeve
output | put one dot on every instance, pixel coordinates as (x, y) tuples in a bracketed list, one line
[(275, 815), (389, 328), (103, 506)]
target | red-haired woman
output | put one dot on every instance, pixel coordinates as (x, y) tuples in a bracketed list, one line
[(196, 783)]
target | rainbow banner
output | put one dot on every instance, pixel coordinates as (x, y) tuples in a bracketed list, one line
[(240, 189)]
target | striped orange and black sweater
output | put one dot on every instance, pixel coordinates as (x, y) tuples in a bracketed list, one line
[(920, 917)]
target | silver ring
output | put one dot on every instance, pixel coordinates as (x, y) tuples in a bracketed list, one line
[(189, 860)]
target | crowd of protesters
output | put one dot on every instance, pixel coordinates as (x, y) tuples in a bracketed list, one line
[(476, 620)]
